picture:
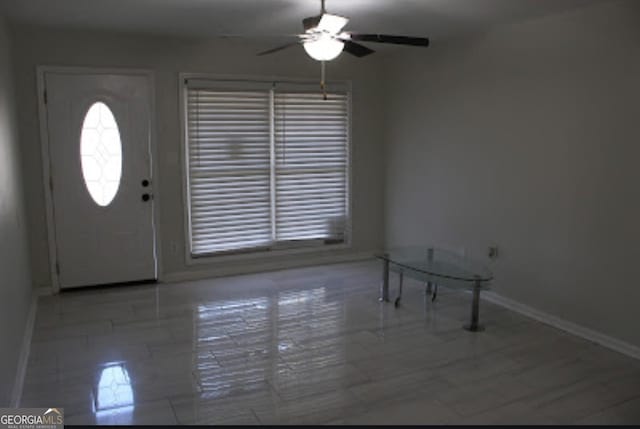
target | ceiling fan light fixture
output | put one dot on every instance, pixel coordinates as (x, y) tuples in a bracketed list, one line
[(324, 48), (324, 39)]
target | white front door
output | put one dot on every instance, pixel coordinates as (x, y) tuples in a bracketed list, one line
[(100, 162)]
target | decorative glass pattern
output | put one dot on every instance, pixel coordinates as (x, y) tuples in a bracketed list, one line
[(101, 154)]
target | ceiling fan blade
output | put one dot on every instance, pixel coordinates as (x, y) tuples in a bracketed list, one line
[(332, 23), (278, 48), (311, 22), (386, 38), (356, 49)]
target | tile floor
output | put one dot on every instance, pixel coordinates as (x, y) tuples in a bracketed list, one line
[(313, 345)]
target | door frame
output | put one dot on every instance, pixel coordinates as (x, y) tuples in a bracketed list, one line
[(41, 71)]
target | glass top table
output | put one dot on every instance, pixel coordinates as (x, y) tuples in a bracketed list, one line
[(436, 267)]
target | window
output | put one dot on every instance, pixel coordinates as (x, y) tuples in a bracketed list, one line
[(267, 165), (101, 154)]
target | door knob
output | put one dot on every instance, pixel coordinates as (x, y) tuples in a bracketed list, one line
[(146, 197)]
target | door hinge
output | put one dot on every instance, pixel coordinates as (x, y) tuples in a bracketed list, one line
[(46, 99), (51, 183), (57, 268)]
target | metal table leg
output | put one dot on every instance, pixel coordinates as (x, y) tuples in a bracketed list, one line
[(384, 286), (397, 301), (431, 290), (473, 326)]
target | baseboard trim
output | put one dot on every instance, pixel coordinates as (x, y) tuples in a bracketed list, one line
[(21, 370), (565, 325), (251, 268)]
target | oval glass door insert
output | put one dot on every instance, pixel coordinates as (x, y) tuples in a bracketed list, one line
[(101, 154)]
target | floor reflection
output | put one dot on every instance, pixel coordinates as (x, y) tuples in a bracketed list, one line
[(217, 326), (114, 394), (248, 337), (237, 346)]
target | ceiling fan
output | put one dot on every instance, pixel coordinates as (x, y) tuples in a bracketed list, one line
[(323, 38)]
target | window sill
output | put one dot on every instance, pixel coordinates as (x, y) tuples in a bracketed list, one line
[(266, 254)]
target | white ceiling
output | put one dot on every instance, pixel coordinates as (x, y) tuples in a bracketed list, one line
[(209, 18)]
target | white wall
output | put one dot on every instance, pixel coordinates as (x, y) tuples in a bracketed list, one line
[(15, 282), (167, 57), (528, 137)]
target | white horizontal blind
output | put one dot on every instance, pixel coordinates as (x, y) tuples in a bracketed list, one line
[(311, 168), (228, 134)]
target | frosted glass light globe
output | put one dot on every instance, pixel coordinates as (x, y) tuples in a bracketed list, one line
[(324, 48)]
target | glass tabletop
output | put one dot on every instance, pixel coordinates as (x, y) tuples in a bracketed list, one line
[(431, 263)]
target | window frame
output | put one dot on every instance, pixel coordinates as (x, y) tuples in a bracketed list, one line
[(304, 247)]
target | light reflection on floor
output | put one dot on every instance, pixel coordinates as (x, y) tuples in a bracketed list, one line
[(114, 394), (265, 313)]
